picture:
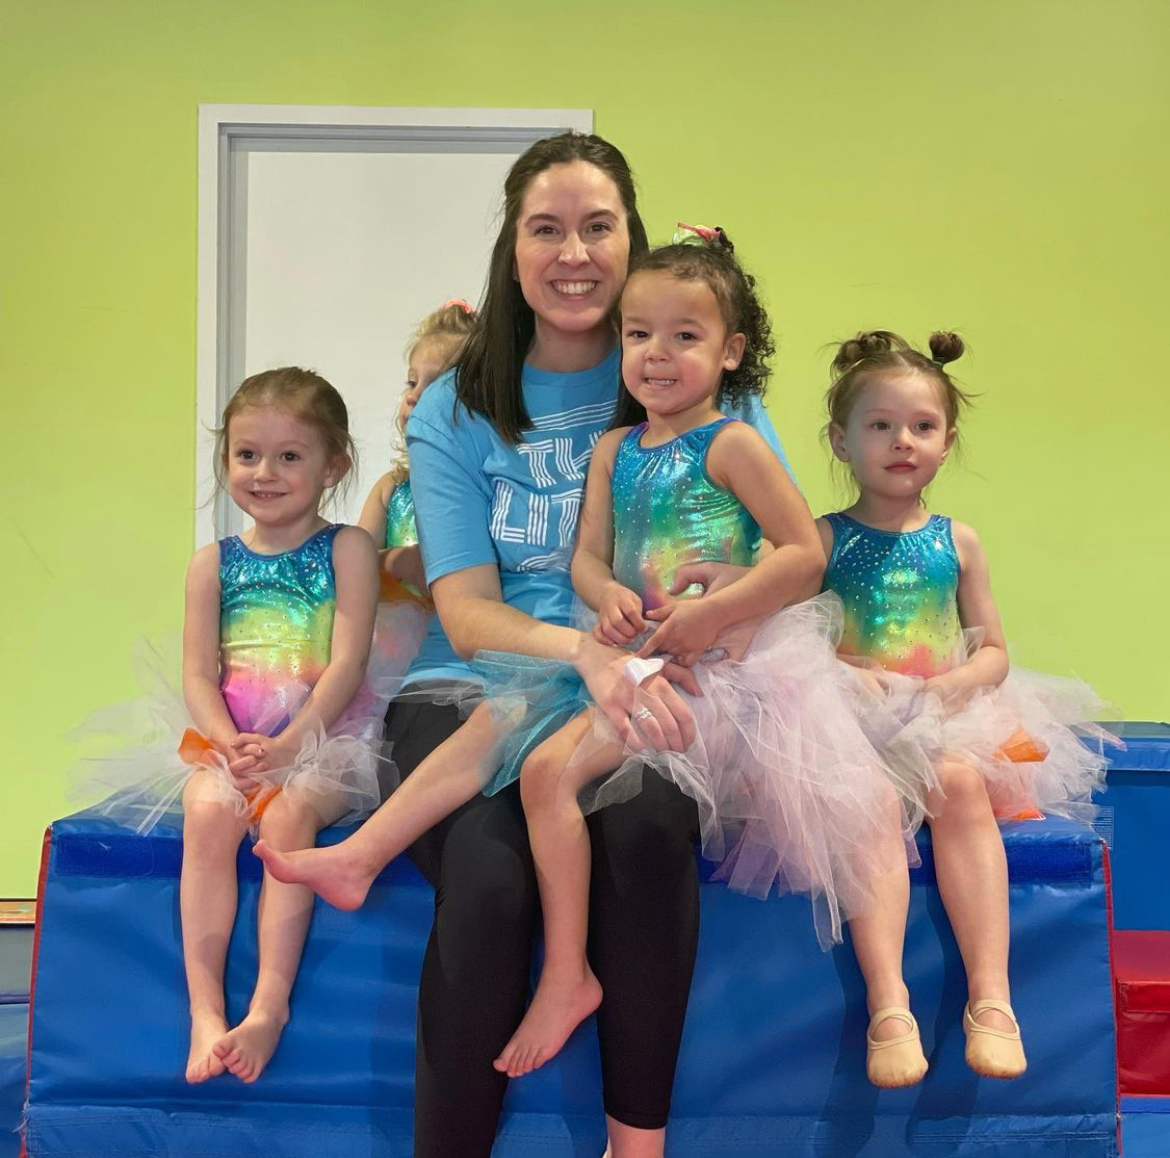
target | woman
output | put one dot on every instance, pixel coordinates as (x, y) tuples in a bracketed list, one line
[(499, 452)]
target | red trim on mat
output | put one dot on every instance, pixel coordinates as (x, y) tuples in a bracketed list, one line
[(1105, 863), (42, 876)]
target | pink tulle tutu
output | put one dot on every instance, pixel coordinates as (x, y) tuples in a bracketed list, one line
[(791, 794), (1027, 737)]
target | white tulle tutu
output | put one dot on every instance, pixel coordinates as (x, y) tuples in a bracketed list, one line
[(150, 750), (1032, 738)]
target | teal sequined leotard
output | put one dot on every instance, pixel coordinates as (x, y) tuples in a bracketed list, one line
[(275, 628), (667, 511), (899, 591), (401, 529)]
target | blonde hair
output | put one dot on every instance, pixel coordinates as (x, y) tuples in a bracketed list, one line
[(448, 328), (302, 393)]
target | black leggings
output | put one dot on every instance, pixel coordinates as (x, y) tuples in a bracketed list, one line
[(644, 926)]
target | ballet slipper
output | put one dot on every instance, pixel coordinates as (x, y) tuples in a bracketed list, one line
[(899, 1060), (994, 1053)]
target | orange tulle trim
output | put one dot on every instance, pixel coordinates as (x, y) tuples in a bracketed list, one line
[(395, 591), (195, 747), (1020, 748)]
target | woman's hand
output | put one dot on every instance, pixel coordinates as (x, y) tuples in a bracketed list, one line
[(619, 616), (651, 714)]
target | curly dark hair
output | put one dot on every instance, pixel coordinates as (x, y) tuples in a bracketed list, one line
[(716, 265)]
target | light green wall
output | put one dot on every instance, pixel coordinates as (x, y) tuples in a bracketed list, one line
[(998, 166)]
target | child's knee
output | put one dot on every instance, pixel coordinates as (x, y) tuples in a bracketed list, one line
[(541, 775), (211, 821), (289, 821), (964, 792)]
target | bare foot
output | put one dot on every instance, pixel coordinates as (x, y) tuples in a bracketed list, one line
[(335, 874), (557, 1008), (202, 1062), (246, 1050), (894, 1056)]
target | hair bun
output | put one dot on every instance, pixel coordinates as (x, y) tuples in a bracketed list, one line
[(945, 347), (865, 344)]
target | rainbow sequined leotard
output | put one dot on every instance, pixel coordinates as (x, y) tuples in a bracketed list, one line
[(401, 530), (667, 511), (275, 628), (899, 591)]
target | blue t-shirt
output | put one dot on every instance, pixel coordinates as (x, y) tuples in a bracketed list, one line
[(479, 499)]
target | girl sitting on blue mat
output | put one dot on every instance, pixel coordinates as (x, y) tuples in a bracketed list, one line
[(922, 628)]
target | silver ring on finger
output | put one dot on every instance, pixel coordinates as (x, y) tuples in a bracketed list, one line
[(643, 714)]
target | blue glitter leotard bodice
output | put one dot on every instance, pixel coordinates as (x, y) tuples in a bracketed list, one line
[(275, 628), (401, 530), (899, 591), (667, 511)]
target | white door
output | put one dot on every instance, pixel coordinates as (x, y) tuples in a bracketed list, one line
[(334, 231)]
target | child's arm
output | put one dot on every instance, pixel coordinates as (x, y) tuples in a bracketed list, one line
[(201, 650), (619, 610), (988, 667), (743, 463), (355, 570), (403, 563), (201, 666)]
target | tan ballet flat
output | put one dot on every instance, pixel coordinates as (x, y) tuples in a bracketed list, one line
[(994, 1053), (898, 1061)]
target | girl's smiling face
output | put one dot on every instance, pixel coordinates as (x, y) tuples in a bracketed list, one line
[(675, 344), (896, 436), (278, 467)]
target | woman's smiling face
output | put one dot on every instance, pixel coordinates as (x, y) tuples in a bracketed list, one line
[(572, 247)]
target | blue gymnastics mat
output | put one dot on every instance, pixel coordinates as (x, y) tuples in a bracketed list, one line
[(772, 1061)]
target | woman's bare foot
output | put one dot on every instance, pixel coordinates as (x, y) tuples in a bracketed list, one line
[(893, 1056), (336, 874), (558, 1007), (247, 1049), (202, 1062)]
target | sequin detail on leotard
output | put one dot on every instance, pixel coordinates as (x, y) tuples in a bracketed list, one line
[(899, 590), (275, 628), (667, 511), (401, 529)]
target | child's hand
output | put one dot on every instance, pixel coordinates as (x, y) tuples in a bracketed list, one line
[(711, 576), (619, 618), (256, 754), (687, 629)]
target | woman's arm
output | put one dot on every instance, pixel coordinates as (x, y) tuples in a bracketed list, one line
[(988, 667), (740, 461)]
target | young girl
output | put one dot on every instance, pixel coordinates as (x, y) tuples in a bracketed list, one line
[(921, 625), (778, 766), (279, 732), (388, 513)]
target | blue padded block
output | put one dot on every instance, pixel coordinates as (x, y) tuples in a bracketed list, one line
[(772, 1061), (13, 1050), (1145, 1127), (1137, 793)]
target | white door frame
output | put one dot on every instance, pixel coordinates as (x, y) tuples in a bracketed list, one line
[(228, 132)]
